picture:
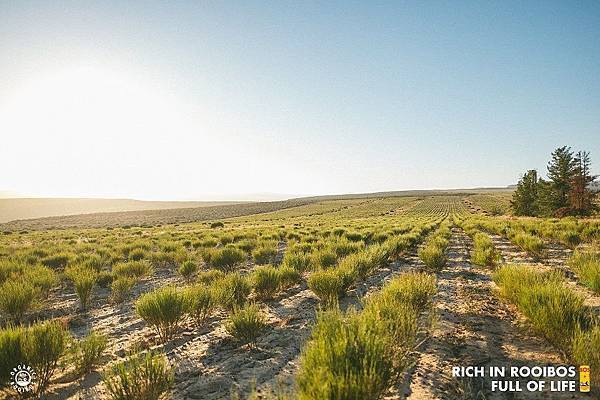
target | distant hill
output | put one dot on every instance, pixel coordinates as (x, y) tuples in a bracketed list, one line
[(27, 208), (35, 214)]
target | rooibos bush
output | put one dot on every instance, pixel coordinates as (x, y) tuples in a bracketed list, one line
[(121, 287), (141, 377), (11, 351), (43, 346), (87, 352), (433, 254), (188, 269), (327, 285), (163, 309), (133, 269), (84, 280), (17, 298), (226, 259), (207, 277), (246, 324), (296, 260), (586, 350), (264, 254), (288, 277), (266, 281), (200, 301), (232, 290), (484, 253), (586, 264)]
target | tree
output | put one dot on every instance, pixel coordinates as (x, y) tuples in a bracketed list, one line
[(525, 198), (581, 197), (561, 170)]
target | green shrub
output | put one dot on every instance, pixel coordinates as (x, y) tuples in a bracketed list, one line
[(345, 359), (87, 352), (328, 285), (231, 291), (137, 255), (17, 298), (415, 289), (586, 350), (162, 309), (398, 245), (188, 269), (200, 301), (104, 278), (586, 264), (264, 254), (433, 255), (299, 261), (484, 253), (359, 355), (11, 351), (554, 310), (226, 259), (133, 269), (121, 287), (141, 377), (324, 258), (84, 280), (57, 261), (42, 278), (207, 277), (43, 346), (266, 281), (288, 277), (246, 324), (570, 238), (530, 243)]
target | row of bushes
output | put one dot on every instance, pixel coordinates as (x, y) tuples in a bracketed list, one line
[(555, 311), (329, 284), (359, 354), (433, 253), (165, 308)]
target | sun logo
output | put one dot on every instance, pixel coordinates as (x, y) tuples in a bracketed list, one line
[(22, 378)]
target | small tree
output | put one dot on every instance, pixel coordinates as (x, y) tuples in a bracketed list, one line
[(581, 197), (561, 170), (525, 198)]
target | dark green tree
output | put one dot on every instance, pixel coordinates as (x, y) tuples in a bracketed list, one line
[(525, 198), (581, 197), (561, 169)]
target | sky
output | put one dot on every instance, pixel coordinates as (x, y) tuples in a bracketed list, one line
[(221, 99)]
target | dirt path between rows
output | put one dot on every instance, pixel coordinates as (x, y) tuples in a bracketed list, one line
[(474, 328)]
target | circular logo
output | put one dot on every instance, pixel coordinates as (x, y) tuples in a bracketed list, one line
[(21, 378)]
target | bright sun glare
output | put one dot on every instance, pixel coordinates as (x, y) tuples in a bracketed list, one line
[(84, 126)]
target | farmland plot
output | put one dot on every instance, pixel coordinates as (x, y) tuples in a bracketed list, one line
[(242, 306)]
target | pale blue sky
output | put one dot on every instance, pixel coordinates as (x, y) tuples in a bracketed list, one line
[(219, 98)]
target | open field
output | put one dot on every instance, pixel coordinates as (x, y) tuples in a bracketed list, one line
[(292, 300)]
